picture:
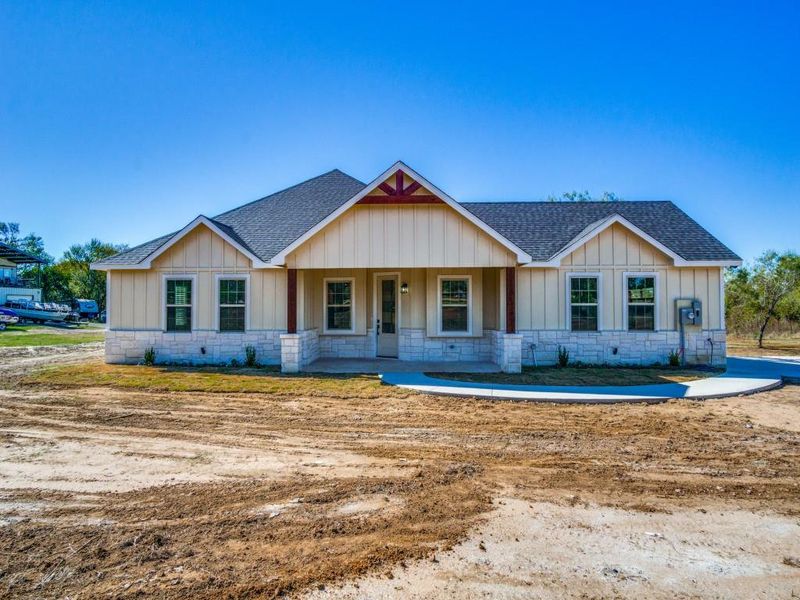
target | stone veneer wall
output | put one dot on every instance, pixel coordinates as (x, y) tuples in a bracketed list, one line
[(633, 347), (186, 348), (348, 346), (299, 350), (415, 345)]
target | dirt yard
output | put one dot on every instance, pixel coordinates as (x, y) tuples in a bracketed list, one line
[(346, 489)]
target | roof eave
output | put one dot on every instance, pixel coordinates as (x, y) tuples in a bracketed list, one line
[(146, 262)]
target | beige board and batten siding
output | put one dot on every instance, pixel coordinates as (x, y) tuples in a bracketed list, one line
[(137, 295), (403, 236), (541, 292)]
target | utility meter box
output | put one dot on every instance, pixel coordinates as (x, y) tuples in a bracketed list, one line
[(690, 311)]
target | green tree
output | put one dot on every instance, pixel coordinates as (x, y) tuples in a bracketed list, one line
[(82, 281), (9, 233), (767, 286)]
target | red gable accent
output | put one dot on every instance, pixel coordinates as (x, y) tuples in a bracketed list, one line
[(400, 194), (418, 199)]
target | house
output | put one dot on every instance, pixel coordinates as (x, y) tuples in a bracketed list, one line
[(332, 267), (12, 286)]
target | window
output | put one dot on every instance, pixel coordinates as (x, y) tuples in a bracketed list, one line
[(232, 304), (179, 304), (339, 305), (454, 307), (583, 303), (641, 296)]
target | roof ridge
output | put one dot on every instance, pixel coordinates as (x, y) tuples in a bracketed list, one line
[(578, 203), (291, 187)]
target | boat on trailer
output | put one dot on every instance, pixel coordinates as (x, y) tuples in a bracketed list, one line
[(39, 312)]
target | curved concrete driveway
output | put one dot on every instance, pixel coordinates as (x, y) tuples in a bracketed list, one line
[(744, 376)]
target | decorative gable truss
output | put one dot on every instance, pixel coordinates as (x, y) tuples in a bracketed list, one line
[(406, 187), (413, 193)]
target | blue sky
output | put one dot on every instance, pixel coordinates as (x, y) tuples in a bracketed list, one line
[(125, 120)]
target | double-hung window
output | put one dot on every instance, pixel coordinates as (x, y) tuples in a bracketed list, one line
[(641, 298), (454, 305), (232, 303), (179, 305), (583, 302), (339, 305)]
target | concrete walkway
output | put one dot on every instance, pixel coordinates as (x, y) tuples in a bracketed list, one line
[(744, 376)]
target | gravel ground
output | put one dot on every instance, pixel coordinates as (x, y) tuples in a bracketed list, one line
[(130, 493)]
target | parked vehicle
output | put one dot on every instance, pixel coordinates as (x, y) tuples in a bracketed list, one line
[(38, 312), (7, 317), (86, 309)]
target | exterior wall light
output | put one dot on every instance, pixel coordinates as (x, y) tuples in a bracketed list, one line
[(404, 288)]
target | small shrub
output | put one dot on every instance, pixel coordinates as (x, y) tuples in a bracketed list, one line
[(250, 356), (563, 356), (150, 356), (674, 358), (235, 363)]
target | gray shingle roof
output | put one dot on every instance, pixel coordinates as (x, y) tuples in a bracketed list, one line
[(137, 254), (266, 226), (272, 223), (542, 229)]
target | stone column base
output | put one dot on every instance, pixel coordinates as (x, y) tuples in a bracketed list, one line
[(507, 349), (299, 350)]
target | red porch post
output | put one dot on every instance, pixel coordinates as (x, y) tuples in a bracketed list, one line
[(291, 301), (511, 300)]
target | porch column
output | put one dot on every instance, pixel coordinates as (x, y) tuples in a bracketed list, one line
[(511, 300), (291, 301)]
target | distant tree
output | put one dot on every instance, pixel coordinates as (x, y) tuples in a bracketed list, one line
[(584, 196), (789, 309), (54, 281), (9, 233), (764, 291), (82, 281)]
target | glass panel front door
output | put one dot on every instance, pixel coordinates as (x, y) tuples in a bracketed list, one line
[(387, 316)]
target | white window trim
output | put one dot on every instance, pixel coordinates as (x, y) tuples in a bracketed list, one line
[(439, 331), (228, 276), (656, 305), (352, 329), (181, 276), (579, 274)]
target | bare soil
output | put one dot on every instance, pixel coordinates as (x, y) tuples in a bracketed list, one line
[(106, 491)]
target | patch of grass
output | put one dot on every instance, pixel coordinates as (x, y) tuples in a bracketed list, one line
[(588, 375), (267, 380), (773, 346), (50, 335)]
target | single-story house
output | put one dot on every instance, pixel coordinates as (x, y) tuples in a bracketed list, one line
[(333, 267)]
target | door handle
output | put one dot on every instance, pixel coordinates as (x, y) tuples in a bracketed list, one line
[(378, 326)]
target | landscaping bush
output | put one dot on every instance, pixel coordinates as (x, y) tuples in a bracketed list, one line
[(563, 356), (250, 356), (235, 363), (674, 358), (150, 356)]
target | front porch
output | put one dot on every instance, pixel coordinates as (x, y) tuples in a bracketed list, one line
[(354, 320), (393, 365)]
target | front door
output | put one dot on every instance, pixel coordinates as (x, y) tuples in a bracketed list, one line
[(386, 325)]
